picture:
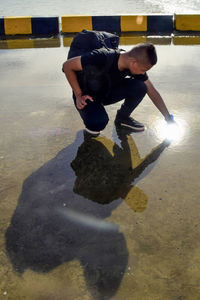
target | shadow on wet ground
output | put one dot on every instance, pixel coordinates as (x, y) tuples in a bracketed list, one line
[(52, 225)]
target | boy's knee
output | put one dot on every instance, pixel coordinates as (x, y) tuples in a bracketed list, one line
[(142, 88), (136, 89)]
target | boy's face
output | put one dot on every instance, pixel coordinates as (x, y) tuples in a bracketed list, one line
[(137, 68)]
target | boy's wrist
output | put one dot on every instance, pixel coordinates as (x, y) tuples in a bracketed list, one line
[(169, 118), (78, 94)]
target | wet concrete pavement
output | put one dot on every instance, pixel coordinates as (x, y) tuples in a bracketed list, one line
[(116, 217)]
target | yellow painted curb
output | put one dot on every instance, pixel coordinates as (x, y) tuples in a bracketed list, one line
[(133, 23), (187, 22), (76, 23), (17, 25)]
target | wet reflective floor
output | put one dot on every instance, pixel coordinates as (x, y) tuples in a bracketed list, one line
[(116, 217)]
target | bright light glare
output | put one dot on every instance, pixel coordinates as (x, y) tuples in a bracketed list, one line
[(173, 132)]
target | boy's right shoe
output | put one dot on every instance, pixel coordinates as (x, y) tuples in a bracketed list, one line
[(129, 122)]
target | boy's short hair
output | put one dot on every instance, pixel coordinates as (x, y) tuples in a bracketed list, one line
[(144, 53)]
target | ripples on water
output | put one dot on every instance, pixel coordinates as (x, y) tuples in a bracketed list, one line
[(103, 7)]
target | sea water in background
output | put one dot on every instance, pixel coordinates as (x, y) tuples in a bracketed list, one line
[(99, 7)]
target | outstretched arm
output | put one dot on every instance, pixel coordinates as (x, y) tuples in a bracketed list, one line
[(157, 100), (70, 67)]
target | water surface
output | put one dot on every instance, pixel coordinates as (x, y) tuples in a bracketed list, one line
[(103, 7), (112, 218)]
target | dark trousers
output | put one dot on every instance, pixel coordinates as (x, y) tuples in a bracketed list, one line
[(94, 114)]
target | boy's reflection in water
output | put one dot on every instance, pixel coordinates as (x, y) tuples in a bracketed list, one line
[(106, 171), (53, 225)]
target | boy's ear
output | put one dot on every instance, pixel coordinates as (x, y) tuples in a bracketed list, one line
[(132, 60)]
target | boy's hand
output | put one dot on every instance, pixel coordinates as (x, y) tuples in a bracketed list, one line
[(81, 101), (170, 119)]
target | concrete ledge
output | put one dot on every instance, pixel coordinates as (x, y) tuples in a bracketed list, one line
[(76, 23), (126, 23), (106, 23), (150, 24), (160, 24), (45, 25), (17, 25), (187, 22), (2, 28), (133, 23), (29, 25)]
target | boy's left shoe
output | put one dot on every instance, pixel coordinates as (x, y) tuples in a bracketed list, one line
[(129, 122)]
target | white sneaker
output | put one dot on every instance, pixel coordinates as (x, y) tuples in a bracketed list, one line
[(89, 134), (95, 133)]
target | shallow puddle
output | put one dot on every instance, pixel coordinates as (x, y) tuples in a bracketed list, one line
[(116, 217)]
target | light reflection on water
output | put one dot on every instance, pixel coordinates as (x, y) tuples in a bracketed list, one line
[(174, 132)]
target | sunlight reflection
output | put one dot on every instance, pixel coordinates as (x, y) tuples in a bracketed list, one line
[(139, 20), (87, 220), (174, 132)]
